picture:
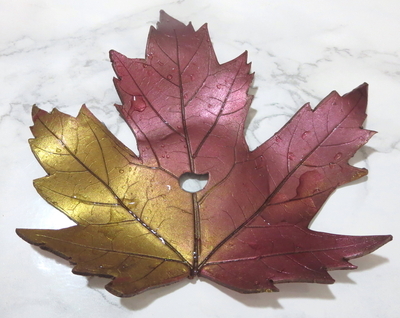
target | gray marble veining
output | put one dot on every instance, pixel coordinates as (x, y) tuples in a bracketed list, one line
[(55, 54)]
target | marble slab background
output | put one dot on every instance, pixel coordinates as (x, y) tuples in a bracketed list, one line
[(55, 53)]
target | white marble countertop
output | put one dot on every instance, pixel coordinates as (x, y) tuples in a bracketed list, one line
[(55, 54)]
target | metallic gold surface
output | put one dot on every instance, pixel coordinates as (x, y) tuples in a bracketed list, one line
[(102, 185)]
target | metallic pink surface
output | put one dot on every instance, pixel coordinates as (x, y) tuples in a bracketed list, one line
[(188, 114)]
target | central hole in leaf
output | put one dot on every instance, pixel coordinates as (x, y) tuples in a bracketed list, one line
[(191, 182)]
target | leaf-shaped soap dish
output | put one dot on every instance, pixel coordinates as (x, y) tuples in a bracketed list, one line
[(247, 229)]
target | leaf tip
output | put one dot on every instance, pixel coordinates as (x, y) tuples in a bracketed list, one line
[(363, 88), (359, 173), (27, 235), (381, 240), (37, 112), (18, 231), (115, 57), (35, 109), (170, 25), (111, 53), (368, 244)]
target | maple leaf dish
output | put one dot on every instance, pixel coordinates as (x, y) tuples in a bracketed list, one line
[(248, 228)]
